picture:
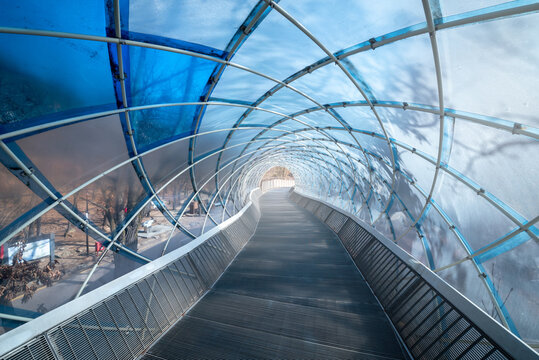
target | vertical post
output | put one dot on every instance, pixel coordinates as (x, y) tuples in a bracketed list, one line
[(86, 214), (52, 247)]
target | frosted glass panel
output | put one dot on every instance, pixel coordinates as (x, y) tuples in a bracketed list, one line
[(76, 159), (401, 71), (479, 221), (494, 159), (477, 67), (194, 21), (351, 22), (278, 49)]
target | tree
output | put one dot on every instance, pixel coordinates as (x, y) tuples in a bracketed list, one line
[(116, 196)]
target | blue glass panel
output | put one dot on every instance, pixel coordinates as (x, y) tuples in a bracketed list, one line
[(159, 77), (81, 17), (41, 75)]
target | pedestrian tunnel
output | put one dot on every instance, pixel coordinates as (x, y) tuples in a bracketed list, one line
[(266, 178)]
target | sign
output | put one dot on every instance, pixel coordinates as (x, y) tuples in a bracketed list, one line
[(36, 248)]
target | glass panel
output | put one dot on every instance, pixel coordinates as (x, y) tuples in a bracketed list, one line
[(161, 165), (374, 145), (41, 83), (360, 118), (478, 66), (15, 198), (220, 117), (464, 278), (399, 218), (68, 156), (328, 84), (286, 102), (153, 232), (456, 7), (400, 71), (81, 17), (277, 48), (203, 22), (36, 289), (159, 77), (318, 118), (231, 85), (479, 222), (111, 198), (339, 24), (346, 138), (193, 218), (205, 169), (514, 275), (379, 199), (364, 212), (420, 170), (414, 128), (445, 246), (495, 161), (384, 227), (175, 195), (413, 245)]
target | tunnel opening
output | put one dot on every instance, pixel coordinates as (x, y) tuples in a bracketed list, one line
[(277, 177)]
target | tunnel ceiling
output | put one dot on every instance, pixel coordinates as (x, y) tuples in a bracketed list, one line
[(420, 118)]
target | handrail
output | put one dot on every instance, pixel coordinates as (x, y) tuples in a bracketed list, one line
[(18, 338), (495, 332)]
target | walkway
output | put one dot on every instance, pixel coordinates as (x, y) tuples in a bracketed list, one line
[(292, 293)]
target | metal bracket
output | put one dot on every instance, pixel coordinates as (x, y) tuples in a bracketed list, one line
[(372, 41)]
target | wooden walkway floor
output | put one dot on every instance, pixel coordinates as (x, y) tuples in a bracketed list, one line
[(292, 293)]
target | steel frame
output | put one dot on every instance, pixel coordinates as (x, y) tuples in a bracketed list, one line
[(495, 12)]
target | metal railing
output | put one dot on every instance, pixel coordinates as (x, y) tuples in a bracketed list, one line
[(121, 319), (433, 319), (269, 184)]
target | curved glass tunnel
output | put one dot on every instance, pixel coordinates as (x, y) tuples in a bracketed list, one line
[(129, 128)]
